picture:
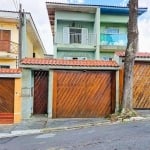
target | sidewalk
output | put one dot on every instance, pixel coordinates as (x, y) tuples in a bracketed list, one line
[(43, 124)]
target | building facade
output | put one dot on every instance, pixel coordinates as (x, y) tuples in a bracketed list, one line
[(88, 31)]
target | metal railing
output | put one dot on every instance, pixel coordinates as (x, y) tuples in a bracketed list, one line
[(9, 46), (113, 39), (75, 38)]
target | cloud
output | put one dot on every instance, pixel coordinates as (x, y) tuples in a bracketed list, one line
[(142, 3), (39, 13)]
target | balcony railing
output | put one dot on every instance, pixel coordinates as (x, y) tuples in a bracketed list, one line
[(75, 38), (9, 46), (113, 39)]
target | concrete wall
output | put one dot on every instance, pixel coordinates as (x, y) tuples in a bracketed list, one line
[(76, 16), (27, 95), (114, 18), (71, 53), (106, 54)]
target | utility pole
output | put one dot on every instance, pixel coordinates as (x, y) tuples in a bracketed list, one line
[(21, 24)]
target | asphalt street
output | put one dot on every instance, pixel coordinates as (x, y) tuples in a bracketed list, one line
[(124, 136)]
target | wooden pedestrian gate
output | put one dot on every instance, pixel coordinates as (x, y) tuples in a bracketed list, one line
[(40, 92), (79, 94), (6, 100)]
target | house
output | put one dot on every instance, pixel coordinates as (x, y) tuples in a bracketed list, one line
[(77, 83), (12, 79), (83, 31), (9, 39)]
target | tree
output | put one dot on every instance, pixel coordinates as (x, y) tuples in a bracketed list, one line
[(132, 48)]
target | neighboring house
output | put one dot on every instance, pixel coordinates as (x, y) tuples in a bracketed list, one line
[(12, 79), (9, 39), (88, 31)]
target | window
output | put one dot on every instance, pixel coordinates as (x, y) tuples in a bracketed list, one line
[(107, 58), (5, 40), (73, 35), (75, 58), (112, 30), (4, 66)]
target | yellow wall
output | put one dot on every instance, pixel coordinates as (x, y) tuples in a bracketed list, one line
[(38, 53), (5, 62), (29, 47), (17, 101)]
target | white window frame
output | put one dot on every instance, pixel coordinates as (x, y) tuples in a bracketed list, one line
[(66, 35)]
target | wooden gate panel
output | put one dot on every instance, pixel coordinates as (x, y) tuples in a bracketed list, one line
[(81, 94), (141, 84), (141, 91), (6, 100), (40, 92)]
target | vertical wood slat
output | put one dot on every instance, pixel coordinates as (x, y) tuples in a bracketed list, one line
[(141, 84), (6, 100), (83, 94)]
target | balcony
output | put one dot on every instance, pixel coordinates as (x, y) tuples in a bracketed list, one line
[(75, 38), (113, 41), (8, 49)]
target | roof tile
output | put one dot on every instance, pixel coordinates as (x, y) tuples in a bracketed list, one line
[(138, 54), (62, 62), (10, 71)]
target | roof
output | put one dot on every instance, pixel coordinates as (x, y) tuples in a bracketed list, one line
[(138, 54), (105, 9), (10, 71), (62, 62)]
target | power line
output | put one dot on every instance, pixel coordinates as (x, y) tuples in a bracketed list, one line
[(15, 2)]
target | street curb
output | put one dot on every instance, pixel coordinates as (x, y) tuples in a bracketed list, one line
[(46, 130)]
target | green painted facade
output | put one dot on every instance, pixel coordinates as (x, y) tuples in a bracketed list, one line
[(76, 54), (99, 43)]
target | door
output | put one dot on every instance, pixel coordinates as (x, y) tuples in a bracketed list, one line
[(40, 92)]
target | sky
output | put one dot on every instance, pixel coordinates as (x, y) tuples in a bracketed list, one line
[(38, 10)]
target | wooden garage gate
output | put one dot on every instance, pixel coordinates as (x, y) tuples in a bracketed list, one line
[(141, 85), (79, 94), (141, 90), (6, 100)]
